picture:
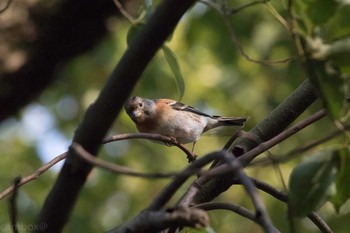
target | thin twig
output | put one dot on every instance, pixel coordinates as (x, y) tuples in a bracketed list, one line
[(260, 210), (195, 188), (157, 137), (57, 159), (229, 206), (120, 7), (314, 217), (232, 165), (296, 152), (230, 11), (226, 12), (6, 6), (180, 178), (318, 221), (275, 13), (115, 167), (240, 48), (292, 28), (155, 221), (13, 206), (240, 210), (250, 155), (34, 175)]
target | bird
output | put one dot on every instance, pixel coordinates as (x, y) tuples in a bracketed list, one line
[(174, 119)]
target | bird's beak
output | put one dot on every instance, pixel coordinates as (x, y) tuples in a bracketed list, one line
[(135, 115)]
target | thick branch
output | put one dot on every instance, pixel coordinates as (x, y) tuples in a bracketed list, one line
[(290, 109), (102, 113), (154, 221)]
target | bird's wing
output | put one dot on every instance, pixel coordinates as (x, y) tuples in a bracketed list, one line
[(183, 107)]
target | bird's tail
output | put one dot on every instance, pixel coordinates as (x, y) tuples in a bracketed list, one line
[(234, 121)]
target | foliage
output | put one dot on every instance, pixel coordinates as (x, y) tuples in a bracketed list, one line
[(224, 59)]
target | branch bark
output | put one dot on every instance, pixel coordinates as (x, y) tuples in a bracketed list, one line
[(154, 221), (290, 109), (101, 114)]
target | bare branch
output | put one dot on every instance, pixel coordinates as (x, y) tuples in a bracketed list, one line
[(154, 221), (8, 3), (314, 217), (166, 140), (230, 11), (318, 221), (124, 12), (233, 166), (115, 167), (229, 206), (275, 13), (247, 157), (239, 46), (226, 12), (250, 188), (157, 137), (296, 152), (250, 155), (34, 175), (12, 205), (180, 178)]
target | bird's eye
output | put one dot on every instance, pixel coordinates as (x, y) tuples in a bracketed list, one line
[(140, 104)]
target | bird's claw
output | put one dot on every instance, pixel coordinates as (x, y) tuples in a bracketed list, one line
[(172, 141)]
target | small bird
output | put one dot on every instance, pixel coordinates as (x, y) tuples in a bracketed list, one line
[(174, 119)]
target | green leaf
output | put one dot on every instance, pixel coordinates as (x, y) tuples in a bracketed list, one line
[(310, 182), (175, 68), (342, 180), (330, 85), (133, 30), (314, 12), (338, 26)]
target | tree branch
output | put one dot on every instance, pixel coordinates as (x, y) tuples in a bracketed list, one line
[(240, 210), (12, 205), (115, 167), (250, 155), (293, 106), (167, 140), (33, 176), (154, 221), (47, 166), (298, 151), (317, 220), (233, 167), (180, 178)]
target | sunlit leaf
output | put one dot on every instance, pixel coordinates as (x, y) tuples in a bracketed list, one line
[(342, 180), (330, 86), (175, 68), (310, 182)]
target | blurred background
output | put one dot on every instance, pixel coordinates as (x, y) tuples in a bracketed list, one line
[(218, 80)]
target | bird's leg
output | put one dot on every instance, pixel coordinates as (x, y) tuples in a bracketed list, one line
[(171, 142), (194, 143)]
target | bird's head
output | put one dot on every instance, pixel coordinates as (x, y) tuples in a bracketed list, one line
[(139, 109)]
